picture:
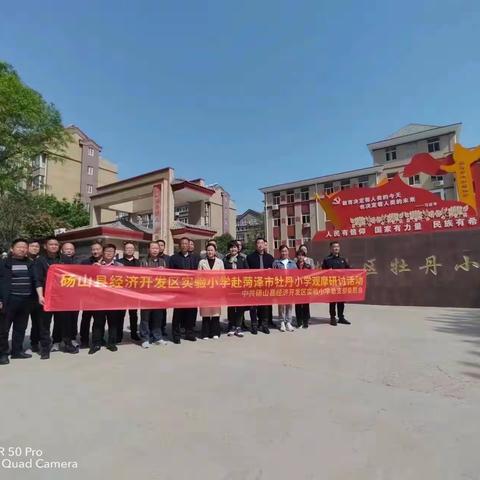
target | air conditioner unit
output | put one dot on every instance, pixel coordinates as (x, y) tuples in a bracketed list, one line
[(306, 225), (274, 207)]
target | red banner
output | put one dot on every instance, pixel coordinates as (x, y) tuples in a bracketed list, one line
[(85, 287)]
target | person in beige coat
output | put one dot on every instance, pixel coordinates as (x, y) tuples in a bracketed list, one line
[(210, 315)]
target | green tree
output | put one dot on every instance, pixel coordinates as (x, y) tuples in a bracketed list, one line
[(73, 214), (222, 242), (12, 217), (37, 216), (40, 224), (28, 126), (250, 246)]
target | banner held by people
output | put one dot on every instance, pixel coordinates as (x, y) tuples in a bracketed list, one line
[(79, 287)]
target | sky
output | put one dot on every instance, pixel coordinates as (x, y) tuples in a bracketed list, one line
[(253, 93)]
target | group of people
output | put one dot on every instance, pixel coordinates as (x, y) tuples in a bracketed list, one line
[(23, 275)]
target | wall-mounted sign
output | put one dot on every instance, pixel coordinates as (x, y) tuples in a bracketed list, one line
[(394, 207)]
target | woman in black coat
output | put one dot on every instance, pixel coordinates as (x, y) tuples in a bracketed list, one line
[(234, 261)]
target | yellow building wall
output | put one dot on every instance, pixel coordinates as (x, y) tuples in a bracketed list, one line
[(233, 222), (107, 172), (73, 150), (63, 172), (63, 178), (108, 216)]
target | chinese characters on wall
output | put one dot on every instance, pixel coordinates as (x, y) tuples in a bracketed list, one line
[(431, 266)]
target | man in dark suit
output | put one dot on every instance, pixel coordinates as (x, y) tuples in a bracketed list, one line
[(40, 268), (128, 260), (68, 320), (184, 260), (33, 253), (260, 259), (335, 261), (96, 250)]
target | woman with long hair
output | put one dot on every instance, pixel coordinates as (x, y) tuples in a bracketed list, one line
[(302, 310), (210, 315)]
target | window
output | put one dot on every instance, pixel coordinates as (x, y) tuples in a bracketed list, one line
[(345, 183), (328, 188), (437, 179), (433, 145), (290, 196), (306, 239), (291, 242), (39, 161), (181, 213), (207, 214), (390, 154), (147, 219), (290, 220), (306, 218), (305, 193), (91, 152), (276, 244), (440, 193), (276, 198), (38, 182), (276, 222), (89, 188), (415, 180), (89, 170), (391, 176), (363, 181)]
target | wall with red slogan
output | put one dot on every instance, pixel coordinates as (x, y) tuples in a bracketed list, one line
[(416, 248)]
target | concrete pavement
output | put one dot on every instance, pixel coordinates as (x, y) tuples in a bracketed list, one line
[(395, 395)]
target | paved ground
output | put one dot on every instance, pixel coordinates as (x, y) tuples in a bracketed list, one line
[(394, 396)]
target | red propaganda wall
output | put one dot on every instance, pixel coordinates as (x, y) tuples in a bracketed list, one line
[(417, 249), (394, 208)]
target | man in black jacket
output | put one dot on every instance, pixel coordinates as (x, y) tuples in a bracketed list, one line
[(260, 259), (68, 320), (335, 261), (166, 258), (184, 260), (34, 248), (41, 266), (129, 260), (17, 293), (96, 250), (102, 317), (153, 321)]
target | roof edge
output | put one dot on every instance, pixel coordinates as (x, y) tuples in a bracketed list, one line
[(392, 139)]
